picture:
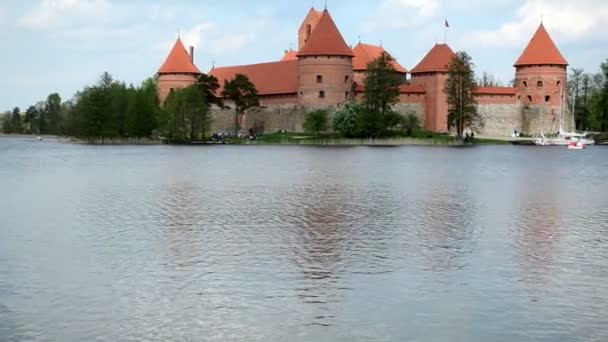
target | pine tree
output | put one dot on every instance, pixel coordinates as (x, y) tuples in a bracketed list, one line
[(462, 106), (244, 95)]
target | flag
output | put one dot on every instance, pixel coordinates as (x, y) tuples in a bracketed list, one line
[(446, 23)]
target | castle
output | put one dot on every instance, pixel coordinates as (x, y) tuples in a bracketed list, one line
[(325, 72)]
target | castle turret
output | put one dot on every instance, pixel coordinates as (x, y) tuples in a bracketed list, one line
[(178, 71), (308, 25), (541, 79), (432, 74), (325, 66)]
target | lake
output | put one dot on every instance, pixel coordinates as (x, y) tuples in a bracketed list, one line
[(292, 243)]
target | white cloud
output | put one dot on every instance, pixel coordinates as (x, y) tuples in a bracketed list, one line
[(566, 20), (395, 14), (210, 37), (49, 14)]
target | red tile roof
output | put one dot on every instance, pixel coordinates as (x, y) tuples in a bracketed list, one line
[(404, 89), (269, 78), (436, 60), (290, 55), (312, 13), (495, 91), (326, 40), (366, 53), (178, 61), (541, 50)]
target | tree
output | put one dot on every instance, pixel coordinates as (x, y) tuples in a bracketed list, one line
[(209, 86), (488, 80), (410, 124), (185, 114), (16, 123), (462, 106), (31, 119), (316, 121), (381, 93), (244, 95), (6, 122), (346, 119), (53, 114)]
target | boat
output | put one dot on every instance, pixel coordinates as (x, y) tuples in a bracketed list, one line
[(564, 139), (39, 138), (576, 145)]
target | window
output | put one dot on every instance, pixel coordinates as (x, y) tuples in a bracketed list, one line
[(526, 84), (539, 84), (529, 98), (321, 94), (319, 78), (547, 98), (301, 93), (346, 79), (346, 95), (559, 83), (519, 97), (308, 32), (171, 90)]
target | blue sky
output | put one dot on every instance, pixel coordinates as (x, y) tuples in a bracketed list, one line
[(63, 45)]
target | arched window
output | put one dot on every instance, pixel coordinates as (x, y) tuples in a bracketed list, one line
[(525, 84), (539, 84)]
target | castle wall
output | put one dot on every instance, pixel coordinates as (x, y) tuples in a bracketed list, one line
[(500, 119)]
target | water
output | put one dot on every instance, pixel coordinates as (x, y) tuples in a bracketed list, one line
[(239, 243)]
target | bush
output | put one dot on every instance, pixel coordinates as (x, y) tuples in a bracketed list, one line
[(346, 119), (410, 124), (316, 121)]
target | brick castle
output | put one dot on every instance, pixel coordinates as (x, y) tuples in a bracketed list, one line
[(325, 72)]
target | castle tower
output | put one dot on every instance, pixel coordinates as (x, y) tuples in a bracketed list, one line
[(325, 66), (178, 71), (541, 79), (308, 25), (432, 74)]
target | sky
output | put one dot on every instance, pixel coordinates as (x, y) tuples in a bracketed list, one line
[(63, 45)]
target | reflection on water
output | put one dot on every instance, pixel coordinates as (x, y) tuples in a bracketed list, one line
[(301, 244)]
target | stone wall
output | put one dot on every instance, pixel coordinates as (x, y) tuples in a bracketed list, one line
[(500, 119), (545, 119)]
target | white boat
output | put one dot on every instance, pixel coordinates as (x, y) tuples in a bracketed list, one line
[(39, 138), (564, 139)]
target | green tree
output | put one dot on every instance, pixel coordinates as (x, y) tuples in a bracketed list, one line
[(6, 122), (462, 106), (316, 121), (381, 93), (600, 100), (243, 94), (410, 124), (209, 86), (54, 120), (31, 119), (16, 123), (185, 114), (347, 118), (488, 80)]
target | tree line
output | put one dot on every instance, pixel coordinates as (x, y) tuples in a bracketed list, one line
[(588, 98), (111, 109)]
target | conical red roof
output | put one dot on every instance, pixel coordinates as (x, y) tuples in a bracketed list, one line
[(541, 51), (437, 60), (178, 61), (326, 40), (366, 53)]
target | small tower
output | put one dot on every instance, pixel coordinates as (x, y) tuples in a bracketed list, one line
[(325, 66), (432, 74), (178, 71), (541, 79), (308, 25)]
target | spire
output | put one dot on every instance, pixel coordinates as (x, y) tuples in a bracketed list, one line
[(541, 51), (178, 61), (326, 40), (437, 60)]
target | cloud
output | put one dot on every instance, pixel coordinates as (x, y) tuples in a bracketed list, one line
[(210, 37), (49, 14), (395, 14), (566, 20)]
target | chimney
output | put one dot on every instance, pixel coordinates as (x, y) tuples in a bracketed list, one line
[(192, 54)]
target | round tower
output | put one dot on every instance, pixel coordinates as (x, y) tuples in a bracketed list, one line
[(541, 78), (325, 66), (177, 72)]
